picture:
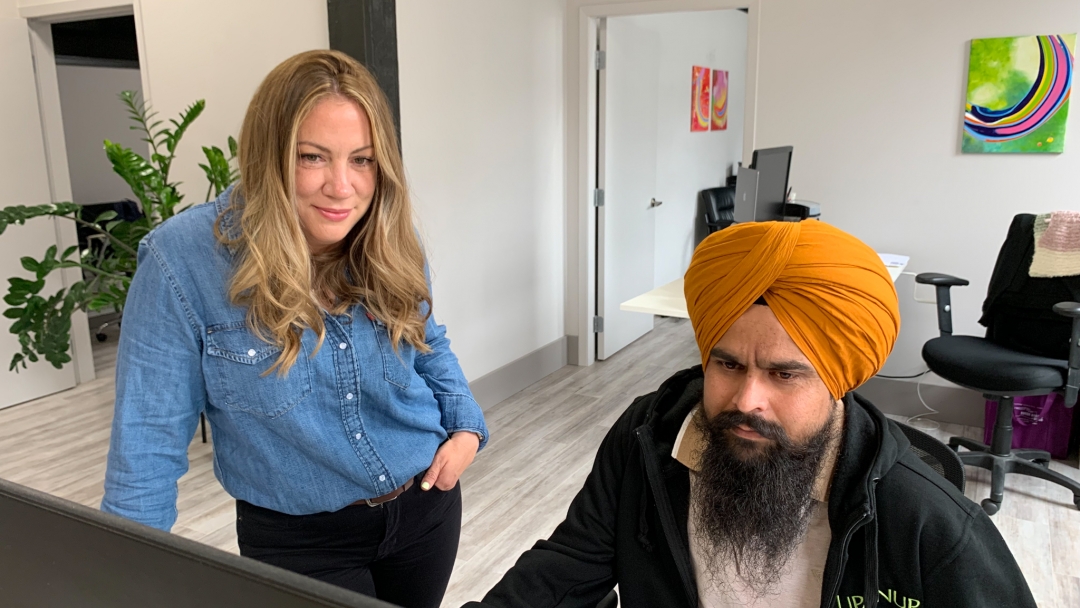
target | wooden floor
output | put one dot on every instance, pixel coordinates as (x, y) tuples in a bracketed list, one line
[(518, 489)]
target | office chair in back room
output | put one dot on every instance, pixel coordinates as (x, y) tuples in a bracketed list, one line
[(718, 207), (1031, 347)]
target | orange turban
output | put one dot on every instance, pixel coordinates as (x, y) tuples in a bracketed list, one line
[(828, 289)]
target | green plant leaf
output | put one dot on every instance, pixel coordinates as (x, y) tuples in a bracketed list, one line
[(14, 299), (42, 322)]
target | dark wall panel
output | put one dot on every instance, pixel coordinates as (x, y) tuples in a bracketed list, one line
[(367, 31)]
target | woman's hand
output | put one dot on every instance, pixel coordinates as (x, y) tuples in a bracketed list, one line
[(451, 460)]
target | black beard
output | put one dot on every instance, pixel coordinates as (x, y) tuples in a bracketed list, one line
[(752, 504)]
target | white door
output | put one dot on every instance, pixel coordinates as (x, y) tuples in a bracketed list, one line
[(626, 162), (24, 180)]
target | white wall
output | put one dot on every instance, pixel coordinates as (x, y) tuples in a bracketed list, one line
[(92, 113), (871, 95), (482, 134), (688, 162)]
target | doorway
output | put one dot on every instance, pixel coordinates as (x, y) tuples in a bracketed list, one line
[(651, 158), (96, 59)]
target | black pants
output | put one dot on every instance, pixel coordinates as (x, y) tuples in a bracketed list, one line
[(401, 551)]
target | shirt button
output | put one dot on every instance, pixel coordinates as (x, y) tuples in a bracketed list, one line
[(251, 353), (382, 477), (348, 395), (343, 346), (358, 435)]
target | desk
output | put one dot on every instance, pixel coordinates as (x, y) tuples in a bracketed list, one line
[(669, 301)]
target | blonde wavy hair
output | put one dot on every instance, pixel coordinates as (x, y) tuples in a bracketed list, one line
[(379, 264)]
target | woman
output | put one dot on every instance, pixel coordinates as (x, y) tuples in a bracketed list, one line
[(295, 311)]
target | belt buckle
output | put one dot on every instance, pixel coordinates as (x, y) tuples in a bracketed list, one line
[(399, 491)]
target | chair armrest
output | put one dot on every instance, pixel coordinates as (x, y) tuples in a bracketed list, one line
[(1067, 309), (936, 278), (942, 283), (1072, 383)]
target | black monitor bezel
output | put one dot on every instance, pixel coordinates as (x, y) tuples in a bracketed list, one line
[(303, 587)]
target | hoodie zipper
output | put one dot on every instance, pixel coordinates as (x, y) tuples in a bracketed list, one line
[(667, 518), (851, 529)]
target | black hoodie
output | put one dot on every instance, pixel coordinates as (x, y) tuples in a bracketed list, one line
[(901, 534)]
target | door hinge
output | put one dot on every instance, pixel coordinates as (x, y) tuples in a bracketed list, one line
[(598, 197), (598, 324), (601, 59)]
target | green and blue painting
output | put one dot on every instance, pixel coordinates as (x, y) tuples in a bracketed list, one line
[(1018, 94)]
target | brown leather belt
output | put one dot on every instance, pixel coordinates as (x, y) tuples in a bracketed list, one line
[(374, 502)]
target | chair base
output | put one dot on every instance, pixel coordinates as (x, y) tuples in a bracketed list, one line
[(1034, 463)]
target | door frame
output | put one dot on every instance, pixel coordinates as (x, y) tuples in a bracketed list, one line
[(39, 19), (581, 124)]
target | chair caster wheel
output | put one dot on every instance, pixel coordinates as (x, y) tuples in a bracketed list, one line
[(992, 507), (1076, 500), (101, 337)]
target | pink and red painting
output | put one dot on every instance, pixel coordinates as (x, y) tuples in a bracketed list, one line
[(719, 100), (701, 112)]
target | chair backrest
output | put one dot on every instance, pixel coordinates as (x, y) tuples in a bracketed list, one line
[(937, 455), (718, 206), (1018, 311)]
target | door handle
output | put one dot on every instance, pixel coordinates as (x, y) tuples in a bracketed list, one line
[(655, 203)]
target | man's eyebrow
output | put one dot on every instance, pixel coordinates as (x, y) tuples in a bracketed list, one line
[(790, 365), (723, 355), (327, 150)]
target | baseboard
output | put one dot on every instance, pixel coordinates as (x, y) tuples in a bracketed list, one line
[(954, 404), (571, 350), (515, 376)]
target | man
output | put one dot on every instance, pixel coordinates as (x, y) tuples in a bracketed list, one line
[(759, 478)]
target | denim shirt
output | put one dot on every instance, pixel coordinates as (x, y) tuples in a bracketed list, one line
[(354, 419)]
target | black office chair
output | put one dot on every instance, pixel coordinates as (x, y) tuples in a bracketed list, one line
[(93, 241), (718, 207), (1028, 350), (937, 455)]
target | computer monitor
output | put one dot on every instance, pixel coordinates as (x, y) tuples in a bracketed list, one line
[(773, 166), (55, 553)]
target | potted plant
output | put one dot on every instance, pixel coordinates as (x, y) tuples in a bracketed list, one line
[(43, 323)]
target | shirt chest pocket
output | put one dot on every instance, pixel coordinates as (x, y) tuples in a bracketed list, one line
[(236, 365), (397, 365)]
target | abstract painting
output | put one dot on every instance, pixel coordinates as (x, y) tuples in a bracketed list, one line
[(1018, 94), (719, 100), (701, 112)]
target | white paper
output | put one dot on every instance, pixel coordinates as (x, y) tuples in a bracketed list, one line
[(893, 260)]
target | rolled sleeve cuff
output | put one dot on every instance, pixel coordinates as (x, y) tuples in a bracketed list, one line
[(462, 413)]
